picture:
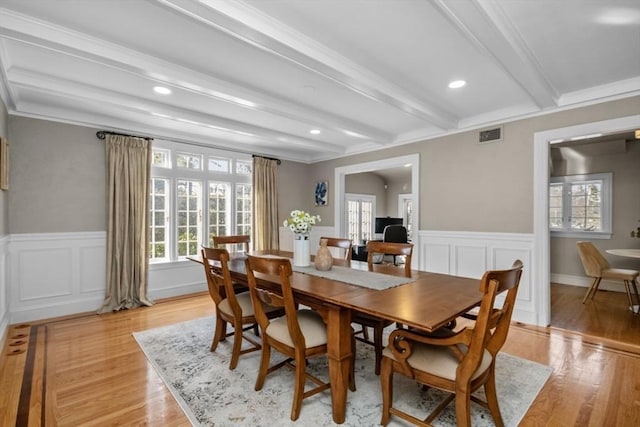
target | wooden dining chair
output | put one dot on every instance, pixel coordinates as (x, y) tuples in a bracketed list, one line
[(368, 320), (455, 362), (239, 241), (597, 267), (342, 244), (300, 335), (232, 308)]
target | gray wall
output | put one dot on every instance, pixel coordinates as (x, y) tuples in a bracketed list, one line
[(57, 177), (470, 187), (395, 187), (368, 183), (626, 209), (4, 195)]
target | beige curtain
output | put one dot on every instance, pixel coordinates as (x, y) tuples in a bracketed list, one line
[(265, 204), (128, 176)]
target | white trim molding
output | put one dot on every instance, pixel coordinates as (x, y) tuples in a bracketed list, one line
[(4, 289), (470, 254)]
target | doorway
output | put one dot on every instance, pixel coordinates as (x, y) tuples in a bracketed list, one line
[(541, 257)]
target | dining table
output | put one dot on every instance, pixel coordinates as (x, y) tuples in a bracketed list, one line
[(629, 253), (426, 301)]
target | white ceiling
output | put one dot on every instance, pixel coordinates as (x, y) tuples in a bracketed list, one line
[(258, 75)]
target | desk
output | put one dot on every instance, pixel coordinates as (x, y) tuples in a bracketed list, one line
[(630, 253), (425, 303)]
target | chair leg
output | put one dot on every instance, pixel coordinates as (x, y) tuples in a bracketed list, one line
[(264, 364), (386, 382), (492, 398), (628, 289), (635, 291), (463, 408), (237, 344), (220, 333), (298, 392), (352, 369), (377, 344), (592, 289), (365, 332)]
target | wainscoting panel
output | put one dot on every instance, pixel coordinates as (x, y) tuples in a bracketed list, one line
[(56, 274), (470, 254), (59, 274)]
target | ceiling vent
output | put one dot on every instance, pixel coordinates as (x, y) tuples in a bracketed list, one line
[(490, 135)]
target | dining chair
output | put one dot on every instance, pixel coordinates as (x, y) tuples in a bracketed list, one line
[(300, 334), (456, 362), (342, 244), (596, 266), (238, 241), (232, 308), (395, 234), (368, 320)]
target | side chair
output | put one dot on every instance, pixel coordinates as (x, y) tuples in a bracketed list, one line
[(343, 244), (240, 240), (455, 362), (367, 320), (596, 266), (300, 335), (236, 309)]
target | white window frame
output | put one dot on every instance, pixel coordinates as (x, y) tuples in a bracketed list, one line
[(173, 174), (606, 206)]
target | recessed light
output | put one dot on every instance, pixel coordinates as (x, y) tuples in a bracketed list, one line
[(315, 131), (456, 84), (162, 90)]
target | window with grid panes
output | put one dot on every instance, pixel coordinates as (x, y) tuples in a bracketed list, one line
[(218, 209), (159, 202), (580, 205), (192, 201)]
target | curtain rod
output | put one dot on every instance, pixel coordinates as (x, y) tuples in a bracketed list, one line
[(268, 158), (103, 134)]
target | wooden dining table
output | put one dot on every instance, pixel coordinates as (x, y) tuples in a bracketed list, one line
[(428, 302)]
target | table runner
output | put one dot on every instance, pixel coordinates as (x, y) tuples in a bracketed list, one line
[(352, 276)]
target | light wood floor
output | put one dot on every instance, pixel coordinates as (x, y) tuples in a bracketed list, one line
[(90, 371)]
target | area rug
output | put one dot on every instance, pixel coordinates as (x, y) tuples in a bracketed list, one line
[(212, 395)]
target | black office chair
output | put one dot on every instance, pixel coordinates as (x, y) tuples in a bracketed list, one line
[(395, 234)]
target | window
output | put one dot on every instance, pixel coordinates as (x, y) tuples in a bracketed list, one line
[(159, 202), (191, 202), (360, 210), (580, 205)]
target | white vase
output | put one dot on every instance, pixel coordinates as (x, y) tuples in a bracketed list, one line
[(301, 254)]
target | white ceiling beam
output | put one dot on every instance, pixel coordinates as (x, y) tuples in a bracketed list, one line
[(251, 26), (25, 29), (62, 88), (497, 38)]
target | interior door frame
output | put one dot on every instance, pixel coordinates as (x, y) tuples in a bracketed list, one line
[(400, 161), (540, 273)]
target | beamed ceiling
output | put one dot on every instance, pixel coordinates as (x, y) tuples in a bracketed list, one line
[(259, 75)]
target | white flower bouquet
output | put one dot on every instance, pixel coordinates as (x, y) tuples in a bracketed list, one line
[(300, 222)]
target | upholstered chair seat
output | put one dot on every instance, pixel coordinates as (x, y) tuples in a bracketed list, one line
[(311, 325), (246, 305), (439, 361)]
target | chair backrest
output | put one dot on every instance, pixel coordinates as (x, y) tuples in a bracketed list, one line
[(219, 281), (336, 242), (390, 248), (243, 240), (492, 325), (283, 297), (395, 233), (592, 260)]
